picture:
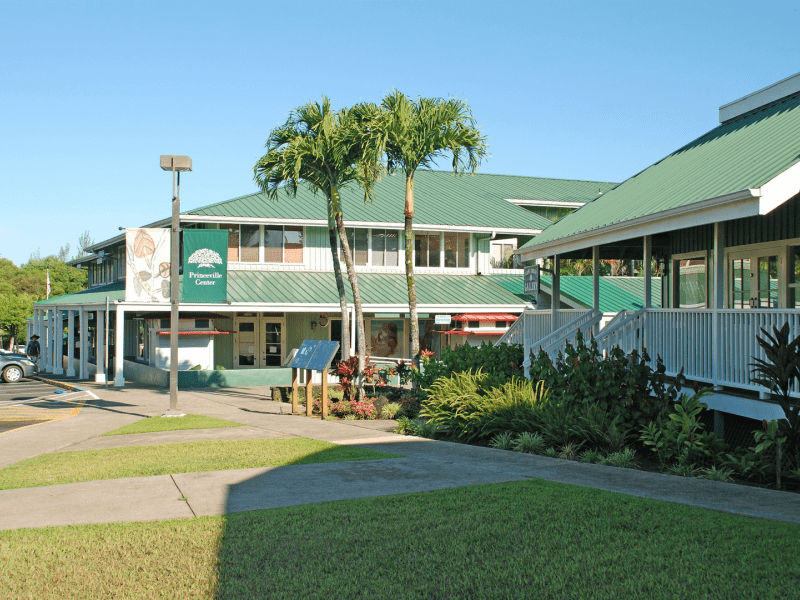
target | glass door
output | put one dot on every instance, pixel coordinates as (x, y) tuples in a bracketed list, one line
[(272, 343), (246, 343), (754, 279)]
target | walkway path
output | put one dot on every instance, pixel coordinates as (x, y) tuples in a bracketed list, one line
[(427, 465)]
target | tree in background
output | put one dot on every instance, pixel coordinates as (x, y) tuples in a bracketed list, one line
[(21, 286), (417, 132), (326, 151)]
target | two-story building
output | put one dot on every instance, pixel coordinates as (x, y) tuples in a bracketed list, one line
[(281, 289)]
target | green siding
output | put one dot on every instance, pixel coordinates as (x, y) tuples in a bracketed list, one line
[(742, 153)]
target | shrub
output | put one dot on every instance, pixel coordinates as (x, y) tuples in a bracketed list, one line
[(472, 411), (625, 459), (624, 386), (681, 437), (409, 403), (417, 427), (348, 408), (500, 363), (591, 456), (503, 441), (530, 443), (715, 474), (391, 411)]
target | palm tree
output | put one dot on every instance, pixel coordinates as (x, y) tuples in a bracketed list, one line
[(326, 151), (417, 132)]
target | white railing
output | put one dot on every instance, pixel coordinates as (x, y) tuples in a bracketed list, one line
[(682, 338), (624, 330), (555, 342), (685, 339), (739, 347), (534, 325)]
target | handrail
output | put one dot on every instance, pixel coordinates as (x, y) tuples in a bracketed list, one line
[(515, 329), (560, 336)]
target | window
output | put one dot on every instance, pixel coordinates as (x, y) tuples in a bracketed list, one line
[(249, 241), (427, 250), (691, 282), (385, 247), (502, 253), (281, 244), (794, 278), (456, 250), (233, 243), (450, 250), (358, 240)]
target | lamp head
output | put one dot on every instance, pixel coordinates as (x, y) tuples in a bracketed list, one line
[(179, 163)]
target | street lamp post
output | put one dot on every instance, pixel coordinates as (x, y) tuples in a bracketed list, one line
[(176, 164)]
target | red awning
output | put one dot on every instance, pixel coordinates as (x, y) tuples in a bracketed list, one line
[(215, 332), (486, 317), (473, 332)]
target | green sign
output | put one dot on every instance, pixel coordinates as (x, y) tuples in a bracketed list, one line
[(205, 265)]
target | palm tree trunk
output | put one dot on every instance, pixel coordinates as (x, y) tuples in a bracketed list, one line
[(413, 332), (337, 272), (361, 349)]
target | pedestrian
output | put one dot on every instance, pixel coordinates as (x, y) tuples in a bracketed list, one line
[(33, 348)]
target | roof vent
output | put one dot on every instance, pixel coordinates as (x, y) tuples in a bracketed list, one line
[(771, 93)]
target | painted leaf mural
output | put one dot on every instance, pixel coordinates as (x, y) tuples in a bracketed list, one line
[(143, 244), (163, 270)]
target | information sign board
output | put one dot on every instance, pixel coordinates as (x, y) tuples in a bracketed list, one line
[(442, 319), (315, 355)]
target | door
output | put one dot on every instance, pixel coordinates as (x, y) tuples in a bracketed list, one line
[(259, 343), (755, 278)]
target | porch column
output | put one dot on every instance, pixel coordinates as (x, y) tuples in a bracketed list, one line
[(351, 314), (70, 343), (648, 279), (84, 344), (119, 346), (58, 343), (49, 342), (556, 292), (100, 373), (40, 331), (596, 284), (717, 303)]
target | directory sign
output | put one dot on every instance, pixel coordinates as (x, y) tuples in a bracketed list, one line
[(315, 355), (532, 280)]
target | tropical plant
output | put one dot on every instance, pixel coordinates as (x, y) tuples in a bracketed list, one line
[(530, 443), (715, 474), (503, 441), (417, 132), (391, 411), (625, 459), (326, 151), (771, 437), (681, 437), (778, 372)]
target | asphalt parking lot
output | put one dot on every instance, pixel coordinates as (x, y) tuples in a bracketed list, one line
[(30, 402)]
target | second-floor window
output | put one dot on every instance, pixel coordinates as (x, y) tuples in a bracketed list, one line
[(449, 250), (265, 243), (375, 247)]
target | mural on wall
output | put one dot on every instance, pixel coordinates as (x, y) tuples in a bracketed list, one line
[(147, 265), (386, 337)]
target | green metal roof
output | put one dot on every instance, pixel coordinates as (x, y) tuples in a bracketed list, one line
[(441, 198), (316, 287), (303, 287), (614, 296), (739, 154), (95, 295)]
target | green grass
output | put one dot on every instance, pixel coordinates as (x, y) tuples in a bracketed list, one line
[(155, 424), (186, 457), (530, 539)]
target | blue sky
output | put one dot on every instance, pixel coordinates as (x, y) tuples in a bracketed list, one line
[(93, 92)]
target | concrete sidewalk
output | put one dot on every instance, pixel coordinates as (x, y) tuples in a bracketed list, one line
[(426, 465)]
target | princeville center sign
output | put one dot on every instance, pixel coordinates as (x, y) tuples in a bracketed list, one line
[(205, 265)]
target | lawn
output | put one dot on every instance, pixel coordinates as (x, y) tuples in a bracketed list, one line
[(156, 424), (530, 539), (185, 457)]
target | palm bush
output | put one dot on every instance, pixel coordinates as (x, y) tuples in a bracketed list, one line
[(530, 443)]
